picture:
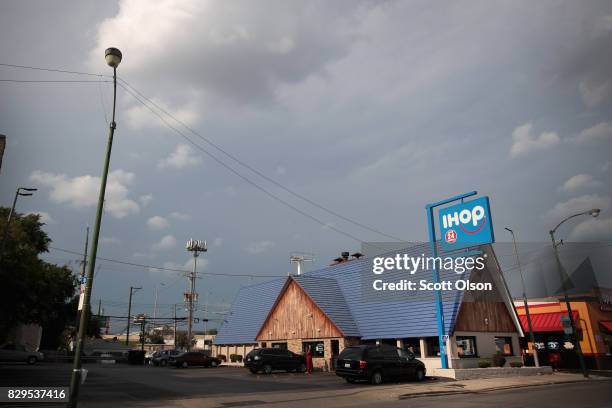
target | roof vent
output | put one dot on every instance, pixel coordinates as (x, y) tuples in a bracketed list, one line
[(357, 255)]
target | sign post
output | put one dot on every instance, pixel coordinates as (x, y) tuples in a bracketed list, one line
[(461, 226)]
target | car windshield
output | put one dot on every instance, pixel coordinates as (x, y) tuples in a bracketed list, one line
[(351, 353)]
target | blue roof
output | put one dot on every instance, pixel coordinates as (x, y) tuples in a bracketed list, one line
[(359, 311)]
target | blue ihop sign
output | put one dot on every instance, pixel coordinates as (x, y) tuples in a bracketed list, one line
[(466, 224)]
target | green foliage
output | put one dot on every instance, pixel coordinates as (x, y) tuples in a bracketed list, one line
[(32, 290), (181, 340), (235, 358), (155, 338), (516, 364), (222, 357), (498, 360), (484, 364)]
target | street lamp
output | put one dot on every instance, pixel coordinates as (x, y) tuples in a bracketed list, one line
[(530, 327), (593, 213), (113, 59), (23, 192)]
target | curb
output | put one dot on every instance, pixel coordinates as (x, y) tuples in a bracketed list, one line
[(483, 390)]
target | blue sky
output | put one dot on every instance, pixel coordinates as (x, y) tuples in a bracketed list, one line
[(371, 109)]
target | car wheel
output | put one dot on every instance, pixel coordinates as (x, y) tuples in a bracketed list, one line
[(419, 375), (31, 360), (376, 378), (302, 368), (253, 370), (163, 363), (350, 380), (184, 365), (267, 369)]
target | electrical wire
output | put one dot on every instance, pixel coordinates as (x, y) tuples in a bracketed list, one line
[(52, 81)]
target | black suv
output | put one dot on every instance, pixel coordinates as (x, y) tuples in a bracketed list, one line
[(268, 359), (377, 363)]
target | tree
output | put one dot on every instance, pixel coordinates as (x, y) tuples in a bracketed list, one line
[(181, 340), (156, 338), (32, 290)]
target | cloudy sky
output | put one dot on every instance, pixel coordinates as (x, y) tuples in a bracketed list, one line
[(369, 109)]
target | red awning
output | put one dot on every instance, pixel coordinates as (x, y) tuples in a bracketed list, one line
[(546, 322), (606, 325)]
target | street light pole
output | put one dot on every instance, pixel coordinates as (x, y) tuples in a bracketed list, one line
[(594, 213), (113, 58), (536, 360), (129, 316), (21, 191)]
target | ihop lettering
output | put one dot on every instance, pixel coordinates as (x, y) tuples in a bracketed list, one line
[(466, 224)]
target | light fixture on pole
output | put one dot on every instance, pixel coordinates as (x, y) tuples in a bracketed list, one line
[(113, 59), (23, 192), (536, 360), (194, 246), (593, 213)]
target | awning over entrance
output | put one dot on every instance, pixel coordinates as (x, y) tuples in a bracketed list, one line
[(606, 326), (546, 322)]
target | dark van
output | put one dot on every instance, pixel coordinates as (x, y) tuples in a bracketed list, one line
[(269, 359), (377, 363)]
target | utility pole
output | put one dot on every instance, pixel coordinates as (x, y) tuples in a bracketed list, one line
[(536, 360), (82, 281), (175, 325), (113, 58), (21, 191), (195, 247), (127, 334)]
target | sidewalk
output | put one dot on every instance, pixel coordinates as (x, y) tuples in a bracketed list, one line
[(364, 393)]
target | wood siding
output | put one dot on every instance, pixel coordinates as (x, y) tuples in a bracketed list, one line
[(484, 317), (296, 316)]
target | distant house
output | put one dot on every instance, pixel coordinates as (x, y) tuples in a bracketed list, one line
[(327, 311)]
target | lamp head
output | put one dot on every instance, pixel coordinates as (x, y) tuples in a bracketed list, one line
[(113, 57), (594, 212)]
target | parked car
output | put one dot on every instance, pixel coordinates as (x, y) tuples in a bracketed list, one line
[(194, 358), (149, 356), (269, 359), (377, 363), (164, 356), (12, 352)]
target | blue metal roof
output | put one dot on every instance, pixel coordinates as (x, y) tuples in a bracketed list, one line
[(359, 312), (326, 293)]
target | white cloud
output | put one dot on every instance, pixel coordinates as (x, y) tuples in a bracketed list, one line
[(577, 204), (182, 157), (601, 132), (45, 217), (579, 182), (180, 216), (82, 191), (594, 229), (157, 223), (595, 92), (166, 243), (259, 247), (140, 118), (146, 199), (110, 241), (523, 142)]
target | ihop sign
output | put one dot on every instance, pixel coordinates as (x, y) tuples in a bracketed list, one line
[(466, 224)]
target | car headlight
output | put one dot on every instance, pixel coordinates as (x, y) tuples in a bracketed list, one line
[(256, 358)]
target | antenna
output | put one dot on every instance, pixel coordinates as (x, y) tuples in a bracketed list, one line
[(299, 258)]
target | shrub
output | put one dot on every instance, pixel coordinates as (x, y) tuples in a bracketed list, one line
[(484, 364), (516, 364), (233, 358), (222, 357), (499, 360), (239, 358)]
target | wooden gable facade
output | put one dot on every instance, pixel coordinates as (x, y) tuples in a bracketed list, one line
[(296, 316)]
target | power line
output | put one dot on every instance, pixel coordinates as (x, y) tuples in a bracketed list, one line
[(64, 81), (165, 268), (63, 71), (254, 170)]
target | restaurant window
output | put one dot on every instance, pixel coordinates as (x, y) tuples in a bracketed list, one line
[(317, 348), (281, 346), (503, 345), (433, 346), (466, 346), (413, 345)]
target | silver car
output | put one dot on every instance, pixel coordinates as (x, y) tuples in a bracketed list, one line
[(12, 352)]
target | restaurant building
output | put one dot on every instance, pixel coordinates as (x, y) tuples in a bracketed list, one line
[(326, 310)]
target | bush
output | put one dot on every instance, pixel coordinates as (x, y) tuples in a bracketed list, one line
[(484, 364), (239, 358), (222, 357), (235, 358), (516, 364), (499, 360)]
